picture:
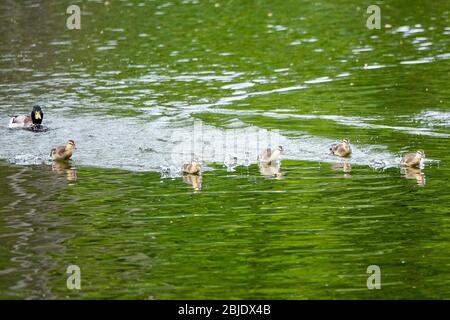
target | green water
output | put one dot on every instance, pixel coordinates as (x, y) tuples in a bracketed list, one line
[(134, 84)]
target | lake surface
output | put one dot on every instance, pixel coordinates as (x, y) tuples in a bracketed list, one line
[(145, 86)]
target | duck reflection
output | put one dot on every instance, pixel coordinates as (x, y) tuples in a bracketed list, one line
[(63, 167), (413, 173), (344, 167), (270, 170), (194, 180)]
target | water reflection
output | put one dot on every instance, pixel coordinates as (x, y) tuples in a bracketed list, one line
[(345, 167), (101, 87), (33, 231), (64, 167), (194, 180), (413, 173), (271, 170)]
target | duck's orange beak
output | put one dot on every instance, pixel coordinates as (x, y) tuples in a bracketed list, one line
[(37, 115)]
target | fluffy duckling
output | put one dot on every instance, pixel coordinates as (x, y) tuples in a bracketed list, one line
[(342, 149), (192, 167), (413, 159), (270, 156), (63, 152), (24, 121)]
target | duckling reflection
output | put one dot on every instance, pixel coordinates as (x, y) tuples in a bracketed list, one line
[(62, 167), (194, 180), (344, 167), (270, 171), (413, 173)]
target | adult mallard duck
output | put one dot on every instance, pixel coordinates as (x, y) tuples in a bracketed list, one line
[(342, 149), (413, 159), (270, 156), (192, 167), (63, 152), (24, 121)]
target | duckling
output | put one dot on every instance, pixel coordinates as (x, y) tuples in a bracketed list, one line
[(191, 168), (413, 159), (24, 121), (63, 152), (342, 149), (270, 156)]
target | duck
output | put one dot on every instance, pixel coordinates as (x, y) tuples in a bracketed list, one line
[(63, 152), (270, 156), (342, 149), (192, 167), (413, 160), (27, 122)]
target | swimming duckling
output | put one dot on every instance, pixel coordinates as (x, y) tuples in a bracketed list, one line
[(413, 159), (63, 152), (191, 168), (24, 121), (342, 149), (270, 156)]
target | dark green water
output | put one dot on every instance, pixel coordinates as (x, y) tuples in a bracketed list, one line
[(146, 85)]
